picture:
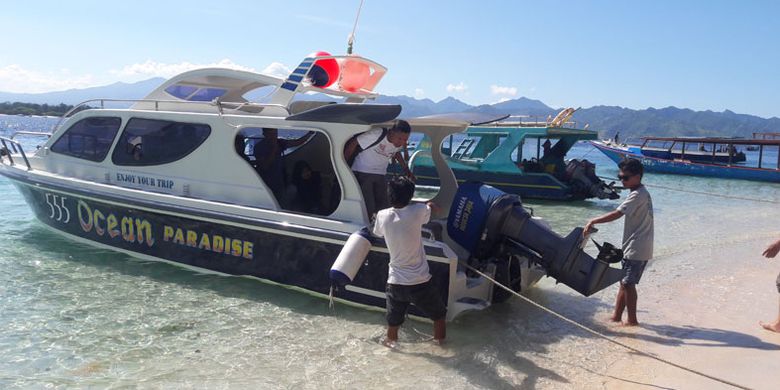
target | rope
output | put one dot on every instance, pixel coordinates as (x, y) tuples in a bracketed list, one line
[(712, 194), (351, 39), (603, 336), (702, 192)]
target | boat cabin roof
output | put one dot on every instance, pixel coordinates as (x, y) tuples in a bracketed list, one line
[(715, 140), (350, 77), (520, 132)]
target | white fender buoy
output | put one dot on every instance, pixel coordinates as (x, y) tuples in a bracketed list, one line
[(351, 258)]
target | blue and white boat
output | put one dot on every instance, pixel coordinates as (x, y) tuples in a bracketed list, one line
[(170, 179), (675, 157)]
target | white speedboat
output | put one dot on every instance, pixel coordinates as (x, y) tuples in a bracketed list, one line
[(170, 178)]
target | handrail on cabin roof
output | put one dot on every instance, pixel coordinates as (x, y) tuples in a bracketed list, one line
[(218, 104)]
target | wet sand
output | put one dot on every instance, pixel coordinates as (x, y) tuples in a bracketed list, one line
[(705, 318)]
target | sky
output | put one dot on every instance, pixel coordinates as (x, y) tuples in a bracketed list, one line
[(703, 55)]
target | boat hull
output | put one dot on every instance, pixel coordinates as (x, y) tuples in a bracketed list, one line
[(293, 256), (699, 157), (652, 164)]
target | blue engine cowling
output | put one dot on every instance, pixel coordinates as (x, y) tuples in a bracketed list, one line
[(492, 224)]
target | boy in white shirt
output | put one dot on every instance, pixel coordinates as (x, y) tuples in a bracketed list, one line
[(409, 279)]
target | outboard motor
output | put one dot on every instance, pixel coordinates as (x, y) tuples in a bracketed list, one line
[(492, 224), (585, 183)]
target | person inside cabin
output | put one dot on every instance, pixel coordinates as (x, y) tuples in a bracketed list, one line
[(135, 147), (770, 252), (308, 188), (546, 147), (617, 138), (269, 157), (370, 153), (552, 159), (409, 279), (637, 237)]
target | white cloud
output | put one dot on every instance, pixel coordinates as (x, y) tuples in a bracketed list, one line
[(158, 69), (277, 69), (14, 78), (419, 93), (460, 87), (499, 90)]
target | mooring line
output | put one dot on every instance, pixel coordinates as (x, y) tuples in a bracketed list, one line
[(605, 337), (702, 192)]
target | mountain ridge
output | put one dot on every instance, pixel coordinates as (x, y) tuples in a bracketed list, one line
[(608, 120)]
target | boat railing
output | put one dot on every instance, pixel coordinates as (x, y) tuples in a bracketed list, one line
[(765, 135), (32, 133), (219, 106), (416, 154), (15, 148), (535, 123)]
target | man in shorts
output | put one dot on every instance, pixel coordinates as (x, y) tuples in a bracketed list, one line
[(770, 253), (637, 237), (409, 279)]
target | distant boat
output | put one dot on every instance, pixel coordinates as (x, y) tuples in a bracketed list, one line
[(488, 151), (762, 135), (677, 159)]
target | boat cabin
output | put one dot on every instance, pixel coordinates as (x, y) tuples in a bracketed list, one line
[(696, 149), (236, 138)]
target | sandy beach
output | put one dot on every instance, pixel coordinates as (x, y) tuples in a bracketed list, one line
[(706, 320)]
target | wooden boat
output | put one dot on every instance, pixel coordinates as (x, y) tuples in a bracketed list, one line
[(766, 168)]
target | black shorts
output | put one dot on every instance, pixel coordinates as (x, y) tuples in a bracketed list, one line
[(424, 295)]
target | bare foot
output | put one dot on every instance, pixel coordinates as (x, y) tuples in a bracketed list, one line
[(614, 319), (439, 342), (773, 327), (630, 323), (392, 344)]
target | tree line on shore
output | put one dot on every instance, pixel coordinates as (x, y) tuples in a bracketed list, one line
[(19, 108)]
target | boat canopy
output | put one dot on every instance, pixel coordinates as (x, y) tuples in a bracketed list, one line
[(353, 79), (715, 140)]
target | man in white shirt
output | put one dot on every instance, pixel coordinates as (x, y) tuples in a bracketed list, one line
[(372, 152), (409, 278), (637, 237)]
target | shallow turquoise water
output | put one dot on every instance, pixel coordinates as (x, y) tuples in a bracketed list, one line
[(75, 316)]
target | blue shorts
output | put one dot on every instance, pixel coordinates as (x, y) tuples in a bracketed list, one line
[(632, 271)]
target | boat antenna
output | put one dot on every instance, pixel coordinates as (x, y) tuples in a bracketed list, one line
[(351, 39)]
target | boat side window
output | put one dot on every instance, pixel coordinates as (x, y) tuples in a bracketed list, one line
[(260, 95), (89, 138), (154, 142), (181, 91), (295, 165), (193, 93), (207, 94)]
